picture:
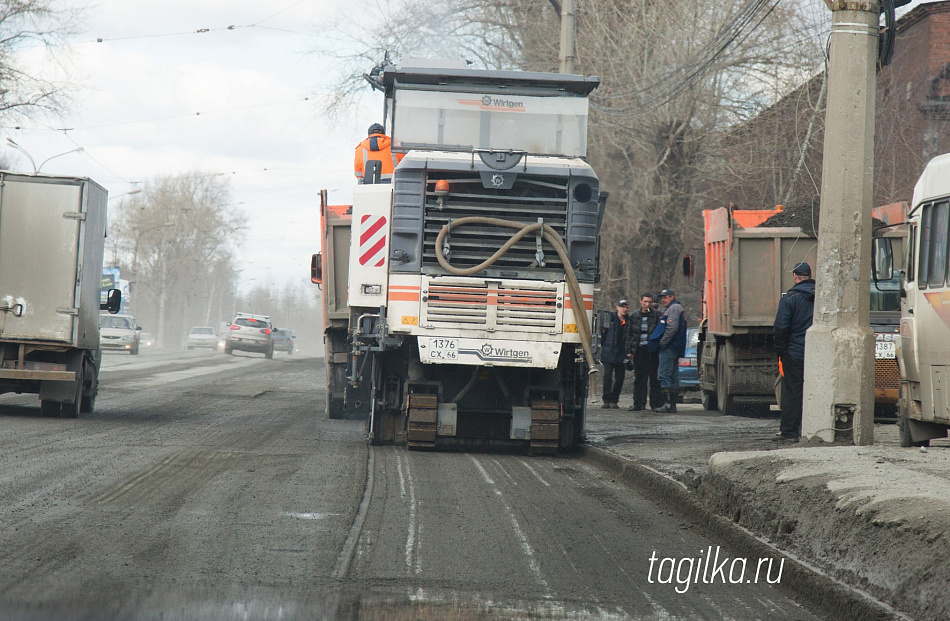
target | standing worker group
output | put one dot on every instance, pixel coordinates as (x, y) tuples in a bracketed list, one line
[(377, 146), (646, 363), (670, 339), (613, 354), (792, 320)]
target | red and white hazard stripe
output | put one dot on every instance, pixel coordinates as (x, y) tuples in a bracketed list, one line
[(373, 240)]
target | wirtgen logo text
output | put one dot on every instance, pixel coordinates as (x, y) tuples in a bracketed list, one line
[(709, 568)]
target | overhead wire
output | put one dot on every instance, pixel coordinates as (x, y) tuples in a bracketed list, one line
[(184, 115), (664, 89)]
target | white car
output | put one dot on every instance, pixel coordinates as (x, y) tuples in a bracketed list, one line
[(201, 336), (119, 332), (254, 333)]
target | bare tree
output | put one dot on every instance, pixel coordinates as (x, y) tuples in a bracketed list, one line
[(175, 240), (32, 23), (675, 75)]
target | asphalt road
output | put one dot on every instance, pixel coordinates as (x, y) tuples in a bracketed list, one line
[(207, 486)]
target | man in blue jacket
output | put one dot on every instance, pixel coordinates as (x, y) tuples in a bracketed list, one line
[(792, 320), (672, 348), (613, 354)]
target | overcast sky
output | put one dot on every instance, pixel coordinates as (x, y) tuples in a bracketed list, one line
[(259, 97), (258, 93)]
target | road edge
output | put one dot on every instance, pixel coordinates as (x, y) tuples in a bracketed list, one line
[(808, 583)]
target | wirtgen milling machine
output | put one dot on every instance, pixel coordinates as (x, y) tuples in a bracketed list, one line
[(466, 273)]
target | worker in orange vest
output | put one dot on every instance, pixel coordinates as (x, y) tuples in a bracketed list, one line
[(377, 146)]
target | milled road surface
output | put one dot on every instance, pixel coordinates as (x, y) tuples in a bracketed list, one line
[(207, 486)]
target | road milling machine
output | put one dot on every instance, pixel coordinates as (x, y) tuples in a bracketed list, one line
[(469, 278)]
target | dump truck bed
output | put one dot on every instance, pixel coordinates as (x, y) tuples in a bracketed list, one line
[(748, 268)]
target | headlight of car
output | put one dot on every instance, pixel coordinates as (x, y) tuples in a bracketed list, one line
[(128, 338)]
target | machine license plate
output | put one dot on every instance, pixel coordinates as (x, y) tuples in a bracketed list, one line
[(884, 350), (442, 349)]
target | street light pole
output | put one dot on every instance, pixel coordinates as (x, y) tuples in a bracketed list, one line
[(37, 169), (24, 152)]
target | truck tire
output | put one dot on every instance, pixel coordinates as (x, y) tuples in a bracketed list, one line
[(724, 399), (71, 410), (89, 396)]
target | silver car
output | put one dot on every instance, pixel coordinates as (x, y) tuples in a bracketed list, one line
[(253, 333), (201, 336), (119, 332)]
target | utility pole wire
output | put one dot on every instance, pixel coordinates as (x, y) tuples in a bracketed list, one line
[(279, 12)]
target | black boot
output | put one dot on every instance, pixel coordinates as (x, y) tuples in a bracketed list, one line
[(670, 406)]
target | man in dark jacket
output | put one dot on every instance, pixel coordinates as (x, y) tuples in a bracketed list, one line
[(792, 320), (613, 354), (641, 324), (672, 348)]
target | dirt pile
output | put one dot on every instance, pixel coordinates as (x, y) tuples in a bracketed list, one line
[(803, 216), (806, 218)]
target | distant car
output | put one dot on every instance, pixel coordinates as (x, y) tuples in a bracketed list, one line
[(119, 332), (201, 336), (688, 367), (284, 340), (254, 333), (146, 340)]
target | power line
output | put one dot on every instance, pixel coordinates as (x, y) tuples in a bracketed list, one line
[(181, 116), (261, 21), (673, 83)]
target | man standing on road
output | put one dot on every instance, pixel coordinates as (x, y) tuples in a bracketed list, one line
[(613, 349), (672, 347), (645, 362), (792, 320)]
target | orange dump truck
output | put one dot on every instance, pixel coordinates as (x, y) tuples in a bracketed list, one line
[(748, 267), (329, 269)]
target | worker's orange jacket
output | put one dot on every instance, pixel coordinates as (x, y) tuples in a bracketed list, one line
[(376, 147)]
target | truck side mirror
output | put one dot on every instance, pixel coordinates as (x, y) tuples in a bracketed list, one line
[(113, 302), (316, 269), (882, 259), (688, 265)]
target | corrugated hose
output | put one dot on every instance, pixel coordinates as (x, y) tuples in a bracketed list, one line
[(553, 238)]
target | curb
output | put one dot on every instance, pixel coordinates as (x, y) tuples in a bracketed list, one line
[(807, 583)]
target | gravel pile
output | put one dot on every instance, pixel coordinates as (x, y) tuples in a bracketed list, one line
[(805, 217)]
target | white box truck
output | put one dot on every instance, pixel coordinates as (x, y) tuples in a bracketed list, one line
[(52, 232)]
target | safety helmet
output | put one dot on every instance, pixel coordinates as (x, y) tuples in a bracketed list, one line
[(376, 128)]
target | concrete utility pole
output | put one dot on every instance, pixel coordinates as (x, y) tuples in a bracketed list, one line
[(839, 347), (567, 36)]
